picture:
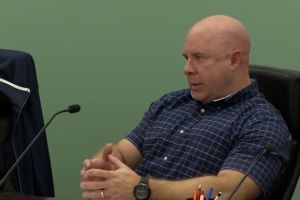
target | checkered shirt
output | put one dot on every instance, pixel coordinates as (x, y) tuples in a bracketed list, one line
[(180, 137)]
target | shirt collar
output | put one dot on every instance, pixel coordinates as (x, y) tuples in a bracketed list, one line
[(233, 98), (224, 98)]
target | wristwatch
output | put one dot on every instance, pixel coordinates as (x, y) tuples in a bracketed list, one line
[(141, 190)]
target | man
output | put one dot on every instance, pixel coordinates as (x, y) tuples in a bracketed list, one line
[(209, 134)]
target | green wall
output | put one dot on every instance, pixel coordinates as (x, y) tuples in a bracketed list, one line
[(115, 57)]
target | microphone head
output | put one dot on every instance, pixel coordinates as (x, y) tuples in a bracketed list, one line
[(74, 108)]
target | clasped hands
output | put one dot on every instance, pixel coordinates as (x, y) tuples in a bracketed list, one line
[(107, 177)]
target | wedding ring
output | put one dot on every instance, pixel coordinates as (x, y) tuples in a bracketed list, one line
[(102, 194)]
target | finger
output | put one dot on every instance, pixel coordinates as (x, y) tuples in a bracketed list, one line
[(93, 185), (96, 194), (87, 164), (116, 162), (97, 173), (96, 162), (108, 149), (82, 174), (99, 163)]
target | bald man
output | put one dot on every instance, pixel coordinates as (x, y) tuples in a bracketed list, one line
[(208, 134)]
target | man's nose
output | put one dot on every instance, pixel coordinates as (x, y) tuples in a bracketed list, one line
[(188, 68)]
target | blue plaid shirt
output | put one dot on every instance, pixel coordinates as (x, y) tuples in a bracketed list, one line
[(180, 137)]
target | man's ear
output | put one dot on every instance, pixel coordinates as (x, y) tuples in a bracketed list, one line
[(235, 59)]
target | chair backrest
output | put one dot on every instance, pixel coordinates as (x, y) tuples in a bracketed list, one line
[(33, 175), (282, 88)]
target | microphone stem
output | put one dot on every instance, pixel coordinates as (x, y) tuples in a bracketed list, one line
[(245, 176), (28, 147)]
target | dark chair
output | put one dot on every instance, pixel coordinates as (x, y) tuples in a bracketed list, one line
[(18, 82), (282, 88)]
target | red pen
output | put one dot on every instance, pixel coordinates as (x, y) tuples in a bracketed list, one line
[(196, 195)]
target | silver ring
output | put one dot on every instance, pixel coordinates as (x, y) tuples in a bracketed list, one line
[(102, 194)]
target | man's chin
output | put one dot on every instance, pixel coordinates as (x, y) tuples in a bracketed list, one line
[(199, 97)]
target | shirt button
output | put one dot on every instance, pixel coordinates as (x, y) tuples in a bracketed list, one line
[(165, 158), (181, 131), (202, 110)]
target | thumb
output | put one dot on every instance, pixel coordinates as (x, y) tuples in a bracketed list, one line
[(107, 150), (116, 162)]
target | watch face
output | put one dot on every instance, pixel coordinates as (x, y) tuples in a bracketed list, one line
[(141, 191)]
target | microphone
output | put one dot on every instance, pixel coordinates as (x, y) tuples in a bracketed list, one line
[(71, 109), (266, 151), (74, 108)]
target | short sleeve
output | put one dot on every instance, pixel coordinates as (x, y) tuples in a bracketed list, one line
[(136, 137), (262, 131)]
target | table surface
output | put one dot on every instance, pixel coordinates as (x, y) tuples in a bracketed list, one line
[(23, 197)]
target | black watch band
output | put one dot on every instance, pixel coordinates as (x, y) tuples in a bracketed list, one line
[(145, 180)]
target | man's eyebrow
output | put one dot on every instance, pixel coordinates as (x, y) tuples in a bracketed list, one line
[(198, 54), (194, 54)]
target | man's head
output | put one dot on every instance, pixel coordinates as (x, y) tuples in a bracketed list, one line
[(216, 50)]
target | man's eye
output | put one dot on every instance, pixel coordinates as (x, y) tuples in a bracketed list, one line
[(198, 57)]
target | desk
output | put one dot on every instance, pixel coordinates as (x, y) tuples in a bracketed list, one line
[(23, 197)]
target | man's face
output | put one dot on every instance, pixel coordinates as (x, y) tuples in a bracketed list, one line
[(207, 67)]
